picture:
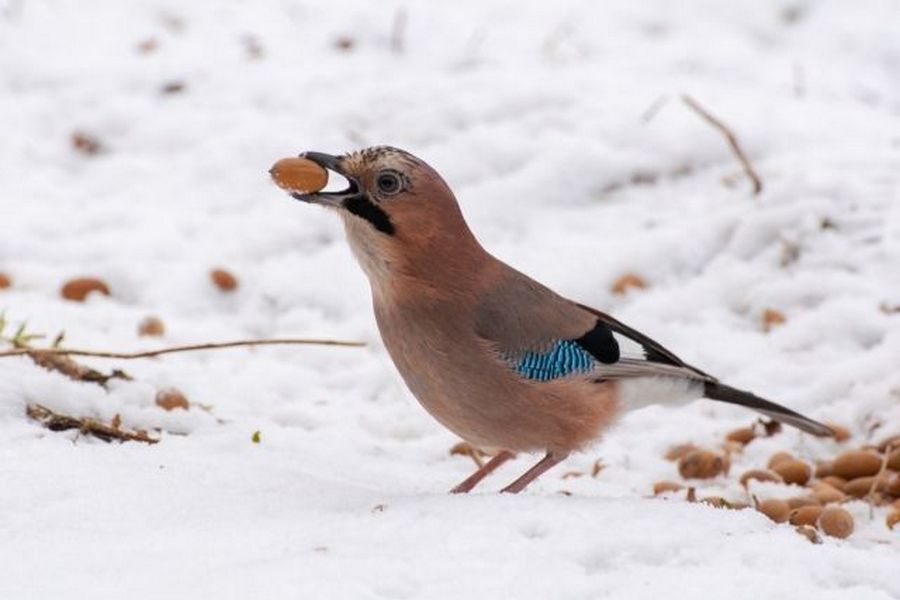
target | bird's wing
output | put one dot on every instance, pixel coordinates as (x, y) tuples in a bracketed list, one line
[(544, 336)]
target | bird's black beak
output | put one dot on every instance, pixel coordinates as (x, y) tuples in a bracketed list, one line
[(333, 164)]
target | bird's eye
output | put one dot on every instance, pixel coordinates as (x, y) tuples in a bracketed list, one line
[(388, 183)]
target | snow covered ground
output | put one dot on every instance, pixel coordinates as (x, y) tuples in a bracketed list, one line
[(560, 127)]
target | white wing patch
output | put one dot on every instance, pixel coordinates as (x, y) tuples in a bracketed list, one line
[(628, 348), (638, 392)]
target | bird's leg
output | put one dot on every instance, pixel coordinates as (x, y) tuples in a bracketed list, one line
[(550, 460), (485, 470)]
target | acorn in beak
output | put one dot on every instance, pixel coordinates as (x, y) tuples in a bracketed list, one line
[(305, 176)]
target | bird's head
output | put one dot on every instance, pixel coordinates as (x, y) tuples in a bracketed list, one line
[(399, 214)]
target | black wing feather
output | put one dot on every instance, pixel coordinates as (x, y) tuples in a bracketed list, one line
[(653, 350), (600, 343)]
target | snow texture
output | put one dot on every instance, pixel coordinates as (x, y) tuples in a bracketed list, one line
[(561, 129)]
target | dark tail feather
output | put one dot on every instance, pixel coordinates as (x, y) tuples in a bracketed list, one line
[(718, 391)]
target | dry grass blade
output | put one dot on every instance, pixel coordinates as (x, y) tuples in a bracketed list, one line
[(55, 361), (173, 349), (59, 422), (730, 137), (870, 497)]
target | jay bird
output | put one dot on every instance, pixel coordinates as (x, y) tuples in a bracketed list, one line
[(502, 361)]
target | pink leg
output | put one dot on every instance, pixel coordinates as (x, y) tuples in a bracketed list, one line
[(550, 460), (485, 470)]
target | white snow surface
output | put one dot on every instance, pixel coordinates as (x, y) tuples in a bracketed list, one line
[(561, 129)]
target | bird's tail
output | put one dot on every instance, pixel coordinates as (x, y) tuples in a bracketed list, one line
[(717, 391)]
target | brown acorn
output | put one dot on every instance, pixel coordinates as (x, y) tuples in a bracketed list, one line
[(834, 481), (805, 515), (779, 457), (299, 175), (171, 398), (223, 280), (760, 475), (826, 494), (824, 468), (701, 464), (890, 441), (893, 460), (860, 487), (742, 435), (5, 281), (893, 518), (151, 326), (892, 484), (661, 487), (793, 471), (838, 432), (836, 522), (852, 464), (772, 318), (628, 281), (801, 501), (79, 288), (775, 508)]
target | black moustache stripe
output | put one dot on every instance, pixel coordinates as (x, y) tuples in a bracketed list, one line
[(361, 206)]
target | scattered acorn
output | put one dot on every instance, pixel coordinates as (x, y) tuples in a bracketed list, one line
[(892, 441), (779, 457), (627, 282), (834, 481), (146, 46), (852, 464), (836, 522), (838, 432), (892, 484), (776, 509), (801, 501), (701, 464), (86, 143), (793, 471), (223, 280), (893, 518), (5, 281), (893, 460), (661, 487), (826, 493), (772, 318), (805, 515), (151, 326), (853, 473), (861, 486), (171, 398), (299, 175), (823, 468), (78, 289), (742, 435), (344, 43), (760, 475)]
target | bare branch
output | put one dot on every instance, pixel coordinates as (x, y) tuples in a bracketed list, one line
[(55, 421), (174, 349), (730, 137)]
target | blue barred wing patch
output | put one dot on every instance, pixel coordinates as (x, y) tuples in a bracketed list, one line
[(564, 358)]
